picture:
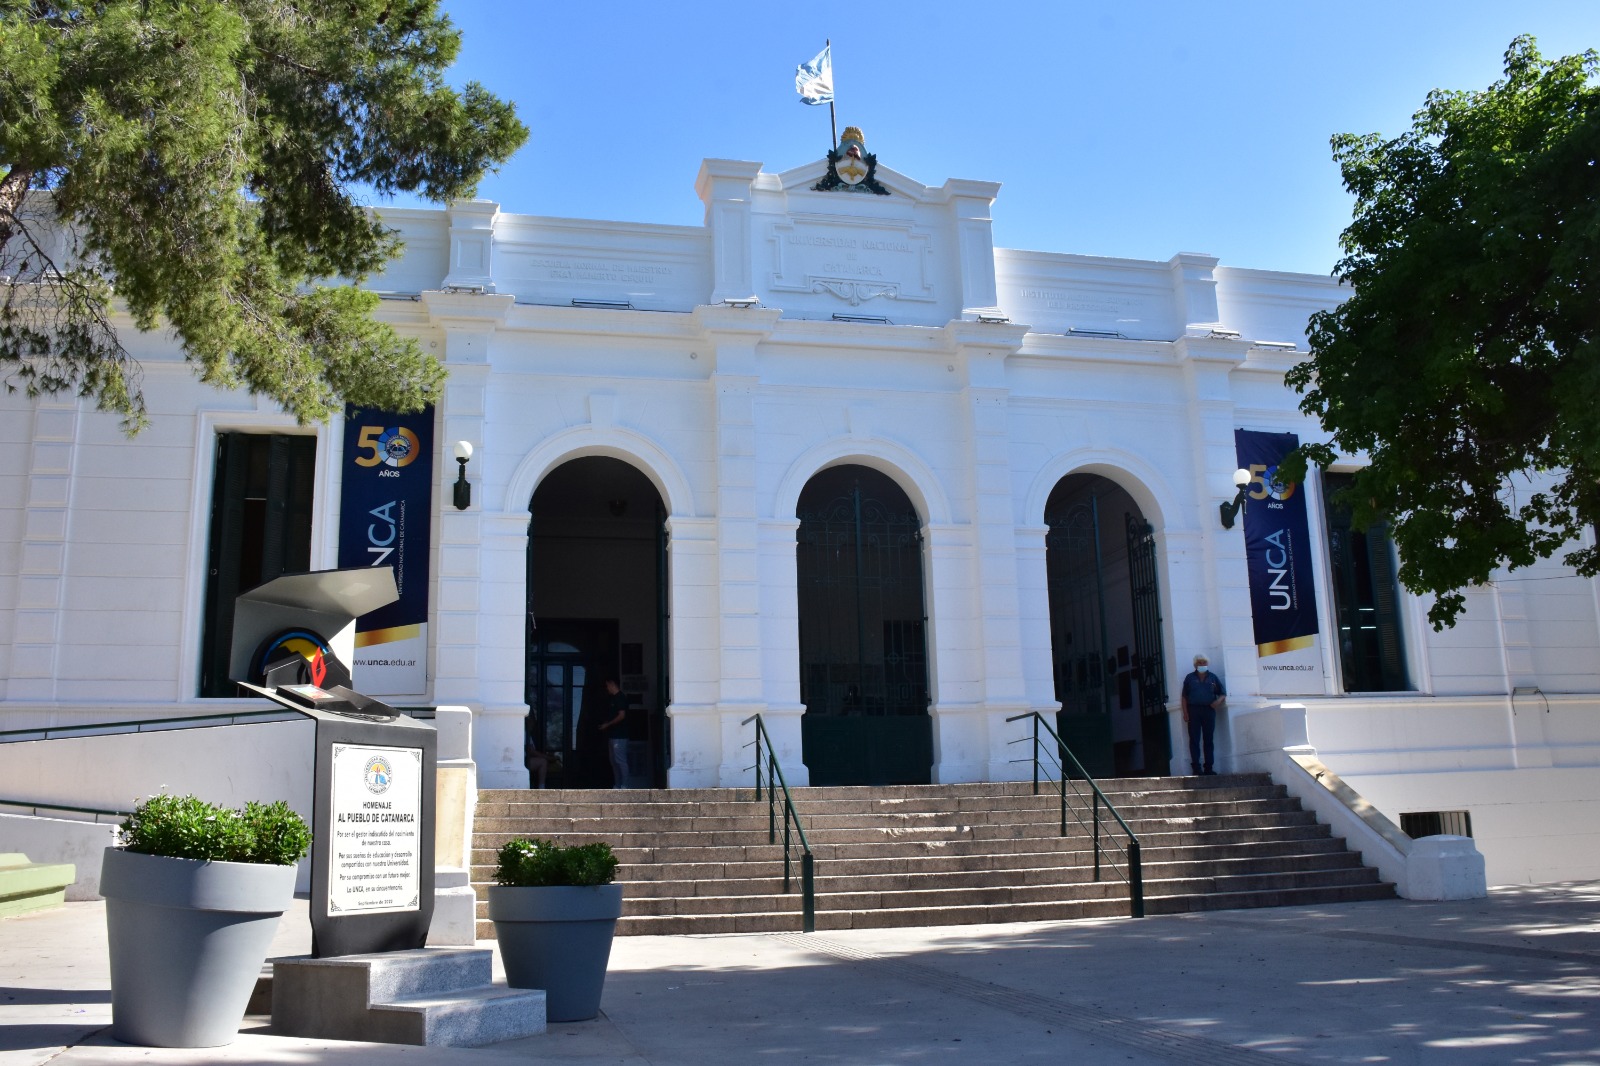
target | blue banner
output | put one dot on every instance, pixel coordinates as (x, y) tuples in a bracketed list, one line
[(1277, 539), (385, 514)]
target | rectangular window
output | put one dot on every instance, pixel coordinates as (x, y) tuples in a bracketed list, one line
[(260, 529), (1366, 598), (1436, 823)]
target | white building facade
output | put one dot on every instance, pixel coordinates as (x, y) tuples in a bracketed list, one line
[(834, 459)]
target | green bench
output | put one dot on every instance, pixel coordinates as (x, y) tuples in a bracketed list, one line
[(32, 886)]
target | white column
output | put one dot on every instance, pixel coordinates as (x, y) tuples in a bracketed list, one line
[(478, 642), (693, 649), (1038, 657), (960, 733), (971, 742), (1215, 618), (780, 643)]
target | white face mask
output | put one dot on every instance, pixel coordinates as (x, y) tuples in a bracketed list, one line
[(1200, 668)]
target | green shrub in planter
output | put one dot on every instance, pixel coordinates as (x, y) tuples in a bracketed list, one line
[(193, 899), (532, 863), (555, 911), (186, 827)]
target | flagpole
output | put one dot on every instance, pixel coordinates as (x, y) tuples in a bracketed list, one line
[(833, 123)]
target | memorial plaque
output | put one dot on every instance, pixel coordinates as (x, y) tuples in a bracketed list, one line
[(375, 860), (372, 845)]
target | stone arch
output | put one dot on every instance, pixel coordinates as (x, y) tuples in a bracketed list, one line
[(1133, 474), (628, 445), (901, 465)]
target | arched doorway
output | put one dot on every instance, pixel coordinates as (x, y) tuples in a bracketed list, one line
[(1105, 629), (596, 610), (863, 632)]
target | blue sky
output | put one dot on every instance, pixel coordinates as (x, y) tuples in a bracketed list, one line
[(1135, 129)]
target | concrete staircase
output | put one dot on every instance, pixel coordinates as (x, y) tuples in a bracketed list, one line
[(698, 861)]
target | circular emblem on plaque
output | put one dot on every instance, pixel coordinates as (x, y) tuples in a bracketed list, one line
[(378, 774)]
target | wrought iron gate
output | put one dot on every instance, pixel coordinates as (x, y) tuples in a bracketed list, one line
[(1082, 663), (863, 651), (1149, 659)]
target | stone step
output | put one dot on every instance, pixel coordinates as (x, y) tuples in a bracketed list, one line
[(1062, 910), (809, 807), (484, 856), (1314, 852), (434, 997), (637, 821), (767, 880), (674, 847), (902, 898), (32, 886), (641, 836)]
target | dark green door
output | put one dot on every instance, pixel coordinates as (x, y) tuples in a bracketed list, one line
[(863, 640), (1082, 663)]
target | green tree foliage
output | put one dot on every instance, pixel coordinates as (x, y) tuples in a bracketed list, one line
[(200, 154), (1466, 362)]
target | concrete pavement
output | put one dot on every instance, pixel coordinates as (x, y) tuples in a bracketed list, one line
[(1508, 980)]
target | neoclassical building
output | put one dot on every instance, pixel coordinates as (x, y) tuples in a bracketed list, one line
[(830, 457)]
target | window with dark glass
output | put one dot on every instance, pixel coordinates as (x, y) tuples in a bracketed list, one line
[(1366, 597), (260, 529)]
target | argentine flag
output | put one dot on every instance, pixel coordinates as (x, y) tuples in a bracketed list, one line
[(814, 80)]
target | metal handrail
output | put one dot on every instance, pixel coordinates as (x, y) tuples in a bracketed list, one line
[(153, 725), (1133, 875), (775, 781), (35, 807), (142, 725)]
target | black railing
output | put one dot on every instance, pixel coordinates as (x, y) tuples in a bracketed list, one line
[(36, 808), (1130, 869), (195, 721), (147, 725), (775, 781)]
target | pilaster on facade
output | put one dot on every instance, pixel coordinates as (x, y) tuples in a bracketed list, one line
[(972, 203), (980, 351), (471, 664), (1194, 293), (695, 652), (34, 668), (779, 627), (1206, 364), (733, 335), (725, 187), (472, 245)]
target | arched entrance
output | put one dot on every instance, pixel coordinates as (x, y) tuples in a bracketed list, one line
[(863, 632), (596, 610), (1105, 628)]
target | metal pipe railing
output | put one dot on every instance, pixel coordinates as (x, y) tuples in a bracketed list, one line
[(775, 781), (1133, 873)]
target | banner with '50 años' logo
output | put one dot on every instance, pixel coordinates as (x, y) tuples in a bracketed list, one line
[(1283, 587), (385, 514)]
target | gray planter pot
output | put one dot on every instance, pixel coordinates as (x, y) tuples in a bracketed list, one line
[(187, 941), (558, 939)]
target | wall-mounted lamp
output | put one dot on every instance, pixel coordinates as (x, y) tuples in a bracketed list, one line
[(463, 498), (1230, 508), (746, 302)]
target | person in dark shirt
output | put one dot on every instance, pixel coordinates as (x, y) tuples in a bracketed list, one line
[(1202, 695), (616, 732)]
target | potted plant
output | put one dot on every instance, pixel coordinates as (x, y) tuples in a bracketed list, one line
[(193, 897), (555, 911)]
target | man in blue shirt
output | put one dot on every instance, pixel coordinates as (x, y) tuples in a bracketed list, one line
[(1201, 696)]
